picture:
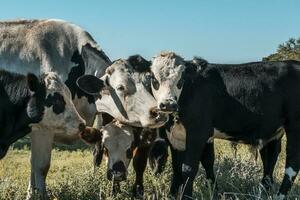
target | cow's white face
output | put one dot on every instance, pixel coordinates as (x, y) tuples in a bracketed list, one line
[(117, 141), (123, 94), (60, 114), (167, 81)]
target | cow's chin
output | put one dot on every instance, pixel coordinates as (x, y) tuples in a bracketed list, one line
[(156, 123)]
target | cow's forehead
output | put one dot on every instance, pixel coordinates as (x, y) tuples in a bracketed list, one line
[(113, 134), (120, 65), (54, 84), (167, 65)]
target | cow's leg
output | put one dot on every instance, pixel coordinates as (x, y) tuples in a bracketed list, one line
[(269, 155), (196, 140), (292, 164), (41, 146), (177, 160), (207, 161), (139, 165)]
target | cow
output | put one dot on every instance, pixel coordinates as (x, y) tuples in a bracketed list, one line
[(51, 45), (247, 103), (22, 101), (124, 88), (30, 102), (122, 143)]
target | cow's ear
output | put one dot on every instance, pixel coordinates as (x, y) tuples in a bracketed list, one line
[(90, 84), (32, 82), (91, 135), (193, 67), (94, 58), (139, 63), (98, 154)]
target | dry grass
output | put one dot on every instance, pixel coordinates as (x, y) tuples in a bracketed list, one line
[(71, 176)]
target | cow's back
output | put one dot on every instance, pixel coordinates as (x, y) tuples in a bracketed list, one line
[(39, 46), (254, 97)]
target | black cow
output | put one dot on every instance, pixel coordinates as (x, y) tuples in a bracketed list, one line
[(247, 103), (22, 101)]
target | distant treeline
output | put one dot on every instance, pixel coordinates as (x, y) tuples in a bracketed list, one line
[(289, 50)]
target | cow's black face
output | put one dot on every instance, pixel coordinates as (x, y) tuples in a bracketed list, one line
[(36, 103), (57, 102), (158, 156)]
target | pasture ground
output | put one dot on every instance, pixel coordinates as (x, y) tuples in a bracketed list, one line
[(71, 176)]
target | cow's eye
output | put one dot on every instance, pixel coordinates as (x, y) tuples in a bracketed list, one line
[(57, 101), (180, 83), (155, 83), (129, 153), (121, 88)]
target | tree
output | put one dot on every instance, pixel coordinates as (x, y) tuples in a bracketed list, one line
[(289, 50)]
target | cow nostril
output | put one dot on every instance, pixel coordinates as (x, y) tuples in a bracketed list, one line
[(162, 106), (154, 112), (81, 127)]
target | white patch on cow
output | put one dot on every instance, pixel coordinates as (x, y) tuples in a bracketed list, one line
[(260, 144), (66, 122), (158, 136), (177, 136), (280, 197), (85, 109), (186, 168), (290, 173), (167, 68)]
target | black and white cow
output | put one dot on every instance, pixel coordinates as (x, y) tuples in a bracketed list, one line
[(40, 46), (247, 103), (26, 104)]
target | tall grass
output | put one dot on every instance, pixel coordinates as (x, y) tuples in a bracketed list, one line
[(71, 176)]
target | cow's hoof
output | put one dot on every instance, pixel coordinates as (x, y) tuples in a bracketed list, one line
[(33, 195), (138, 191), (116, 189)]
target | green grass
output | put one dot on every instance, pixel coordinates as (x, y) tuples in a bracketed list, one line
[(71, 176)]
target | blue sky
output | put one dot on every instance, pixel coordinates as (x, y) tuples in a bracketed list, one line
[(219, 31)]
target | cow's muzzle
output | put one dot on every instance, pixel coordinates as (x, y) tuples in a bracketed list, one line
[(168, 106), (117, 173)]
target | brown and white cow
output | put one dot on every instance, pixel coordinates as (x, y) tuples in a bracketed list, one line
[(41, 46), (122, 143)]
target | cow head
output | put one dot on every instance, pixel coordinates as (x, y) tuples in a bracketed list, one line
[(167, 80), (158, 155), (116, 142), (32, 113), (124, 94), (169, 74), (35, 106), (60, 115)]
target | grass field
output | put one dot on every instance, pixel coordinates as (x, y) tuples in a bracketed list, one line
[(71, 176)]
